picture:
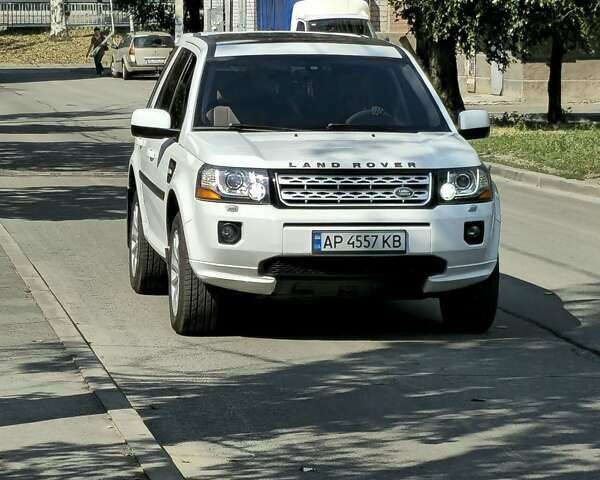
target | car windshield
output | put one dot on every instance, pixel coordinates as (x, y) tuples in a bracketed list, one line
[(317, 92), (340, 25), (153, 41)]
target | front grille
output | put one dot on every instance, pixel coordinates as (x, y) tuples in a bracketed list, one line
[(303, 189), (413, 268)]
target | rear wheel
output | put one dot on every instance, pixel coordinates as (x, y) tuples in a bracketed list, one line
[(147, 270), (472, 309), (113, 69), (195, 308), (125, 72)]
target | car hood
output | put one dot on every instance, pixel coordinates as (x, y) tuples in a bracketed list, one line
[(343, 150)]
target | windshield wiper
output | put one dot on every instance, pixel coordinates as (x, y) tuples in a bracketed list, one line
[(369, 128), (243, 127)]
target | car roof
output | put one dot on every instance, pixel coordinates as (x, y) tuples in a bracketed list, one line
[(214, 40)]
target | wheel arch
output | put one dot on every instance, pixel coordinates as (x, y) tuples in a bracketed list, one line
[(172, 210)]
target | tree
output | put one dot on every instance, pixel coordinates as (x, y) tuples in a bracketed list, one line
[(563, 26), (58, 19), (160, 13), (443, 27)]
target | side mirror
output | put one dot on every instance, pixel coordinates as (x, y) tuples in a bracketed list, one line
[(473, 124), (152, 123)]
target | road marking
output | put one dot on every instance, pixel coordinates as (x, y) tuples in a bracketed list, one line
[(154, 460)]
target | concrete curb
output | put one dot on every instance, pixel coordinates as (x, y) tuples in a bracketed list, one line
[(545, 181), (154, 460)]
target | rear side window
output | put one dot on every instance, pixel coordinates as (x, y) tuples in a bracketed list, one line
[(165, 96), (300, 27), (153, 41)]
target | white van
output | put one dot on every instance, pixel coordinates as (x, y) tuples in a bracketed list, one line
[(335, 16)]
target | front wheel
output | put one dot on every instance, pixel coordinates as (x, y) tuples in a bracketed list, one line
[(195, 308), (472, 309)]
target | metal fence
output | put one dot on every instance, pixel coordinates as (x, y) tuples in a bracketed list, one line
[(37, 14)]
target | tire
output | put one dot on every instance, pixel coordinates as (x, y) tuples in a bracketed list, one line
[(472, 309), (147, 270), (125, 73), (113, 69), (195, 308)]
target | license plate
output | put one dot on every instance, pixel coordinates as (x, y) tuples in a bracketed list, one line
[(367, 241), (155, 61)]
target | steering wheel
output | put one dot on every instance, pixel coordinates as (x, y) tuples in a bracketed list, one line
[(375, 115)]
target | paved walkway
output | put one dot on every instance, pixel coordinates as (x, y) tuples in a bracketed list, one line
[(498, 104), (51, 425)]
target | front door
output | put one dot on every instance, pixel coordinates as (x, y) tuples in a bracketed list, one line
[(157, 154)]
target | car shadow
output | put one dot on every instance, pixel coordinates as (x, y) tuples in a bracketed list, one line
[(376, 319), (449, 403)]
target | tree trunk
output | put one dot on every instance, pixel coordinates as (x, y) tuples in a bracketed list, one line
[(555, 111), (444, 76), (438, 60), (195, 20), (58, 20)]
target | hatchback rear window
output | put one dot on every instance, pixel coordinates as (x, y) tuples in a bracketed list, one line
[(153, 41)]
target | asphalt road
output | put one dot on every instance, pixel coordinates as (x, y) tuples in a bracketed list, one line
[(344, 391)]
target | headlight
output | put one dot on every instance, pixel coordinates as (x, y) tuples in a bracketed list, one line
[(465, 184), (237, 185)]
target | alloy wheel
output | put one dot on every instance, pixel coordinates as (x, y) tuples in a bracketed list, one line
[(174, 273), (134, 238)]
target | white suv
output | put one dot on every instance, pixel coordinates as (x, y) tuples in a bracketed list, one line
[(307, 164)]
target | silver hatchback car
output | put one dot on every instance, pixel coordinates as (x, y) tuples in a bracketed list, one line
[(141, 52)]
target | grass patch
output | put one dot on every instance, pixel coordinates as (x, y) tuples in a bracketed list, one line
[(571, 152), (32, 47)]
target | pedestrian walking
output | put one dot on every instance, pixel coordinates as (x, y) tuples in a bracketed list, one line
[(97, 48)]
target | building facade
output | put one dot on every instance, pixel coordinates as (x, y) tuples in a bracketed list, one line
[(520, 82)]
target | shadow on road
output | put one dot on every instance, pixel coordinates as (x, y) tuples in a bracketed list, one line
[(71, 115), (41, 129), (72, 156), (50, 74), (60, 203), (420, 404)]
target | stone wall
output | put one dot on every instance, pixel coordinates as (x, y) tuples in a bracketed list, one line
[(529, 81)]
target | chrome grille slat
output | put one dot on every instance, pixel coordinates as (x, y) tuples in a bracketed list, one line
[(331, 188)]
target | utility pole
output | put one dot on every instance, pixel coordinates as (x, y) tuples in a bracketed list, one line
[(178, 20)]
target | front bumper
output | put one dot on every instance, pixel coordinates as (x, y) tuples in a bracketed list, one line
[(269, 232)]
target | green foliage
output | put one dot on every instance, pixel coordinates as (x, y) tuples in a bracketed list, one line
[(150, 15), (575, 23), (487, 26), (569, 152)]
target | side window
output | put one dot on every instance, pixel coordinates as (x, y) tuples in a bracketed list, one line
[(300, 27), (165, 96), (179, 103)]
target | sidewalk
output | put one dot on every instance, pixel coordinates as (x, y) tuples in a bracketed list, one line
[(51, 425), (498, 104)]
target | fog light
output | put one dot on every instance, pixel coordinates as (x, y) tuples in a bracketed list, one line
[(229, 233), (447, 192), (474, 233)]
